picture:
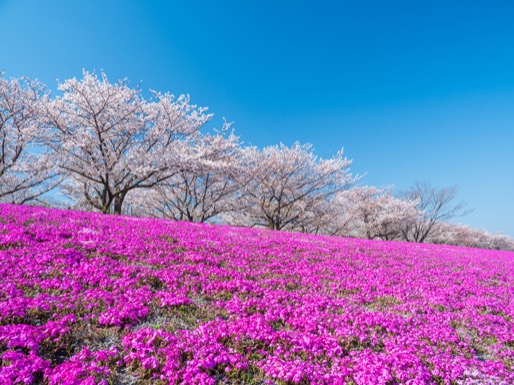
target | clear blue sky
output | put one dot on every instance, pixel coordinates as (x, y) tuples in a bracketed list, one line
[(411, 91)]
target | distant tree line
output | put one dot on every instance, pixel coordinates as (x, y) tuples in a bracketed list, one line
[(107, 148)]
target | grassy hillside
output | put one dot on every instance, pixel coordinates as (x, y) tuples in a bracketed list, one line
[(94, 299)]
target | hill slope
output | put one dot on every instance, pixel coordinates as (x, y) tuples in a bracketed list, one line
[(88, 298)]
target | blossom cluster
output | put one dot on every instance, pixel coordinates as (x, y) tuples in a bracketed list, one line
[(87, 298)]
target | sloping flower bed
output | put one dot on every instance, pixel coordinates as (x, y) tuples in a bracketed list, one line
[(94, 299)]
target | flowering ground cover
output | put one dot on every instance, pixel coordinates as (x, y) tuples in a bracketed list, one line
[(93, 299)]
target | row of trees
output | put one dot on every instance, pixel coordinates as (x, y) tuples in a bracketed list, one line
[(419, 214), (106, 147)]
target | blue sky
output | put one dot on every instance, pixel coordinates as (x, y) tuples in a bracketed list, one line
[(412, 91)]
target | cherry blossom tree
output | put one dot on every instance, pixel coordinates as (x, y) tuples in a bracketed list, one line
[(319, 216), (374, 213), (280, 185), (25, 167), (202, 190), (436, 206), (109, 140)]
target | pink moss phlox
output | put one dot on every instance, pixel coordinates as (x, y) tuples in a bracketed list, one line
[(188, 303)]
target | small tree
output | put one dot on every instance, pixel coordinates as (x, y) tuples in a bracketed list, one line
[(323, 216), (108, 140), (25, 168), (280, 185), (201, 190), (435, 205), (372, 213)]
